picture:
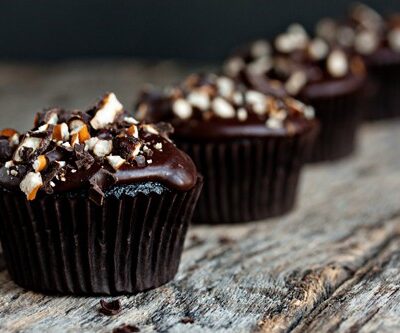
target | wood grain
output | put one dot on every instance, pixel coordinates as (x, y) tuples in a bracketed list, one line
[(333, 265)]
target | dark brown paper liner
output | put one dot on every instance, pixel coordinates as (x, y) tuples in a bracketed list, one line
[(69, 245), (249, 179), (382, 93), (340, 118)]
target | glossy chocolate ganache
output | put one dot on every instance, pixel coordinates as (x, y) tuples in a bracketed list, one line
[(298, 65), (95, 150), (212, 107)]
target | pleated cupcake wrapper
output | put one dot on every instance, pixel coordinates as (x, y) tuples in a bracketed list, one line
[(339, 117), (247, 180), (71, 246), (382, 94)]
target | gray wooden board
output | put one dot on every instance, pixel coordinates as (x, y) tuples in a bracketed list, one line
[(332, 265)]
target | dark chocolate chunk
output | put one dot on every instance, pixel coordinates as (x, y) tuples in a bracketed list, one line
[(83, 159), (110, 308), (26, 153), (124, 146), (5, 150), (126, 329), (165, 129), (140, 161), (100, 181)]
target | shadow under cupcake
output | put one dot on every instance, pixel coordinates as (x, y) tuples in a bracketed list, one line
[(249, 147), (314, 72), (94, 202)]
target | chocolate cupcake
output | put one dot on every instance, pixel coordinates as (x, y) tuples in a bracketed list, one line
[(94, 202), (314, 72), (249, 147), (366, 33)]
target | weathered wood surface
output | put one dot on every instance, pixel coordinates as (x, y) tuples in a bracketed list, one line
[(331, 266)]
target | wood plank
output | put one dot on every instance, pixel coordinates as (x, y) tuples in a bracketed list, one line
[(369, 302), (265, 277)]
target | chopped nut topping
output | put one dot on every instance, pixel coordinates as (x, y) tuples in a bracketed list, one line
[(150, 128), (338, 65), (40, 163), (346, 36), (89, 144), (109, 109), (260, 48), (366, 42), (318, 49), (222, 108), (260, 65), (131, 120), (199, 99), (61, 132), (233, 66), (274, 123), (394, 39), (133, 131), (242, 114), (30, 143), (53, 119), (14, 140), (225, 86), (116, 161), (102, 148), (182, 109), (31, 184), (158, 146), (8, 132), (296, 82), (258, 101)]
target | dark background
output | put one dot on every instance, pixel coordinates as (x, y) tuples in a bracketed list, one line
[(184, 29)]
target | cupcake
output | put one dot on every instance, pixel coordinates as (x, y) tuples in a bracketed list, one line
[(94, 202), (250, 147), (377, 40), (314, 72)]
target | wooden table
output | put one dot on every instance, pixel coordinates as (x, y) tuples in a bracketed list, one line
[(331, 266)]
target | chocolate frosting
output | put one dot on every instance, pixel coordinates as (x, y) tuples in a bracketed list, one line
[(365, 32), (298, 65), (98, 149), (207, 107)]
